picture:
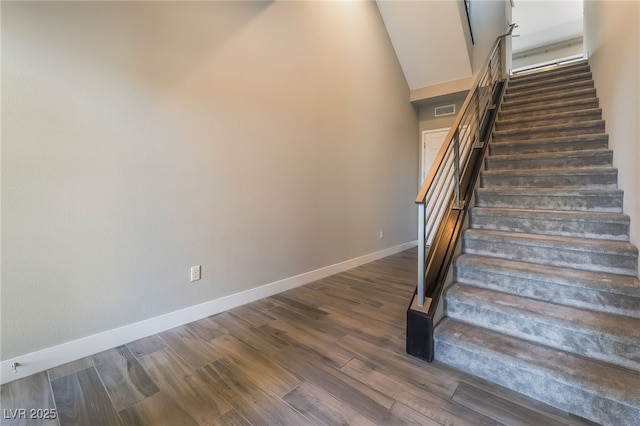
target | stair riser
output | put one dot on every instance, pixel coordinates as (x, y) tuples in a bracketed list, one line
[(528, 381), (549, 108), (566, 228), (514, 88), (610, 204), (548, 291), (572, 117), (544, 89), (604, 159), (615, 263), (542, 132), (588, 343), (532, 180), (526, 147)]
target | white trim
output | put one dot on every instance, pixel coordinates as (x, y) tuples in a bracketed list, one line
[(54, 356)]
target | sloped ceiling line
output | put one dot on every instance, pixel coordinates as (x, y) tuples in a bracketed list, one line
[(429, 40)]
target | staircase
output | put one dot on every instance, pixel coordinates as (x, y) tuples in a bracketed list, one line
[(546, 300)]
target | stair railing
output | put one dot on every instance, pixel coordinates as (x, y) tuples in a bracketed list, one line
[(443, 198)]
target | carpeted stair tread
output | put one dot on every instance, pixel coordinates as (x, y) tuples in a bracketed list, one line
[(549, 81), (597, 291), (544, 75), (550, 160), (578, 244), (555, 129), (536, 76), (612, 381), (580, 253), (598, 335), (545, 87), (626, 329), (613, 283), (600, 392), (597, 225), (582, 177), (558, 105), (551, 97), (574, 199), (554, 143), (550, 118)]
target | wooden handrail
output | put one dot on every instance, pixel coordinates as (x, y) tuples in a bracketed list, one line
[(426, 185)]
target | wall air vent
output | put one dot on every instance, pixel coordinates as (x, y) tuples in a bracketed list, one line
[(443, 110)]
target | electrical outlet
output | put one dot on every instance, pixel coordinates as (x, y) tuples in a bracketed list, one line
[(196, 272), (381, 234)]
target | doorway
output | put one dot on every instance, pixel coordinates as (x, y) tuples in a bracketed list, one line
[(432, 141)]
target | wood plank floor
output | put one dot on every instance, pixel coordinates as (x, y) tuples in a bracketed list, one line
[(330, 352)]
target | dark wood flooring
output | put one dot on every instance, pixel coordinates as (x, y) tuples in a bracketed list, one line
[(330, 352)]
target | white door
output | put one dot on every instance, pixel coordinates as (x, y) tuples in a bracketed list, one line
[(431, 143)]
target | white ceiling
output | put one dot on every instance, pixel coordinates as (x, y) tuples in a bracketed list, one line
[(429, 40), (542, 22), (423, 33)]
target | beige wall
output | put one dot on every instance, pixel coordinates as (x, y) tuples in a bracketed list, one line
[(612, 40), (260, 140)]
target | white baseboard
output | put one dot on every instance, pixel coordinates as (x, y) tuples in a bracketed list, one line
[(45, 359)]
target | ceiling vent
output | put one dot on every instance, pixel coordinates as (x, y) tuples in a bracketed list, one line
[(443, 110)]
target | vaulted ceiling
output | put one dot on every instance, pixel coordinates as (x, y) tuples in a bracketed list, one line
[(432, 42), (429, 40)]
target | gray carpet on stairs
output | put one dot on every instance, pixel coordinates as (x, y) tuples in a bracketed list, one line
[(547, 300)]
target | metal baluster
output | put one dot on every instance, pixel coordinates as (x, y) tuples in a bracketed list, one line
[(456, 161), (421, 253), (478, 143)]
